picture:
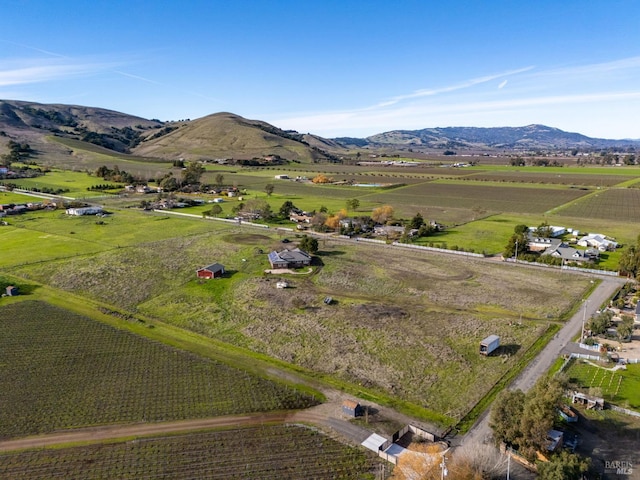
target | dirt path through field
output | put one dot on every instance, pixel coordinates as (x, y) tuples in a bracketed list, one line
[(113, 432), (327, 416)]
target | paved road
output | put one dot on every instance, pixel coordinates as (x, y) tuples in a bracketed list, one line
[(480, 433)]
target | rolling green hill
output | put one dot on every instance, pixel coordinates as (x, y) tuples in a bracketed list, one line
[(221, 135), (225, 135)]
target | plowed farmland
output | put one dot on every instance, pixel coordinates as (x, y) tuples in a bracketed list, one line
[(268, 452), (621, 204), (491, 198), (552, 178), (63, 370)]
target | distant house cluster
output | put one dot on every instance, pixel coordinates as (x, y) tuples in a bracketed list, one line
[(18, 208), (141, 189), (594, 244)]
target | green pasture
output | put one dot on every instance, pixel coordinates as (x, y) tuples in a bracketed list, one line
[(76, 182), (14, 197), (621, 387), (119, 229), (489, 234), (22, 246)]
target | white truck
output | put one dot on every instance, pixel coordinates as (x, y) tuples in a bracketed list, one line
[(489, 344)]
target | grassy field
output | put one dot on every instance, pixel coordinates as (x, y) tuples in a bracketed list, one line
[(406, 330), (27, 246), (66, 235), (12, 197), (269, 452), (621, 387), (76, 182), (63, 370)]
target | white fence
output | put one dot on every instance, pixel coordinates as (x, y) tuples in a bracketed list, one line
[(420, 432), (625, 411), (593, 348), (585, 356), (228, 220), (609, 273), (591, 270), (435, 249)]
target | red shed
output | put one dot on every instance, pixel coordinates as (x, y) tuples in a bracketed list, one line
[(212, 271)]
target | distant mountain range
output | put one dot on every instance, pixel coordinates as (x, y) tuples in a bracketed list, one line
[(531, 137), (225, 135)]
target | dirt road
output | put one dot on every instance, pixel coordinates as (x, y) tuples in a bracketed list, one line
[(112, 432)]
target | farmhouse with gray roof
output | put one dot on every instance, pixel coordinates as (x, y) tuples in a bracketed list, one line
[(540, 244), (567, 254), (295, 258)]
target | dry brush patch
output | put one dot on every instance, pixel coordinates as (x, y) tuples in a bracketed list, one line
[(128, 277), (412, 332)]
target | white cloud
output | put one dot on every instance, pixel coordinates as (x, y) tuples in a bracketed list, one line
[(452, 88), (591, 90), (39, 71), (594, 69), (423, 115)]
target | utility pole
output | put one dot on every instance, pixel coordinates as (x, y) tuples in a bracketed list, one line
[(443, 466), (584, 317)]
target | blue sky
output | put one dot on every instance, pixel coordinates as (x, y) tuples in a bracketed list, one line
[(334, 68)]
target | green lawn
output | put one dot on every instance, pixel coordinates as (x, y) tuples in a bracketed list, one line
[(13, 197), (22, 246), (76, 182), (621, 387)]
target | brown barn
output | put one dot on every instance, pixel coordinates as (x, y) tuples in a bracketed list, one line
[(212, 271)]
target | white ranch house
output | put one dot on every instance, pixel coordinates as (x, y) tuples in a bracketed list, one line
[(599, 241)]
